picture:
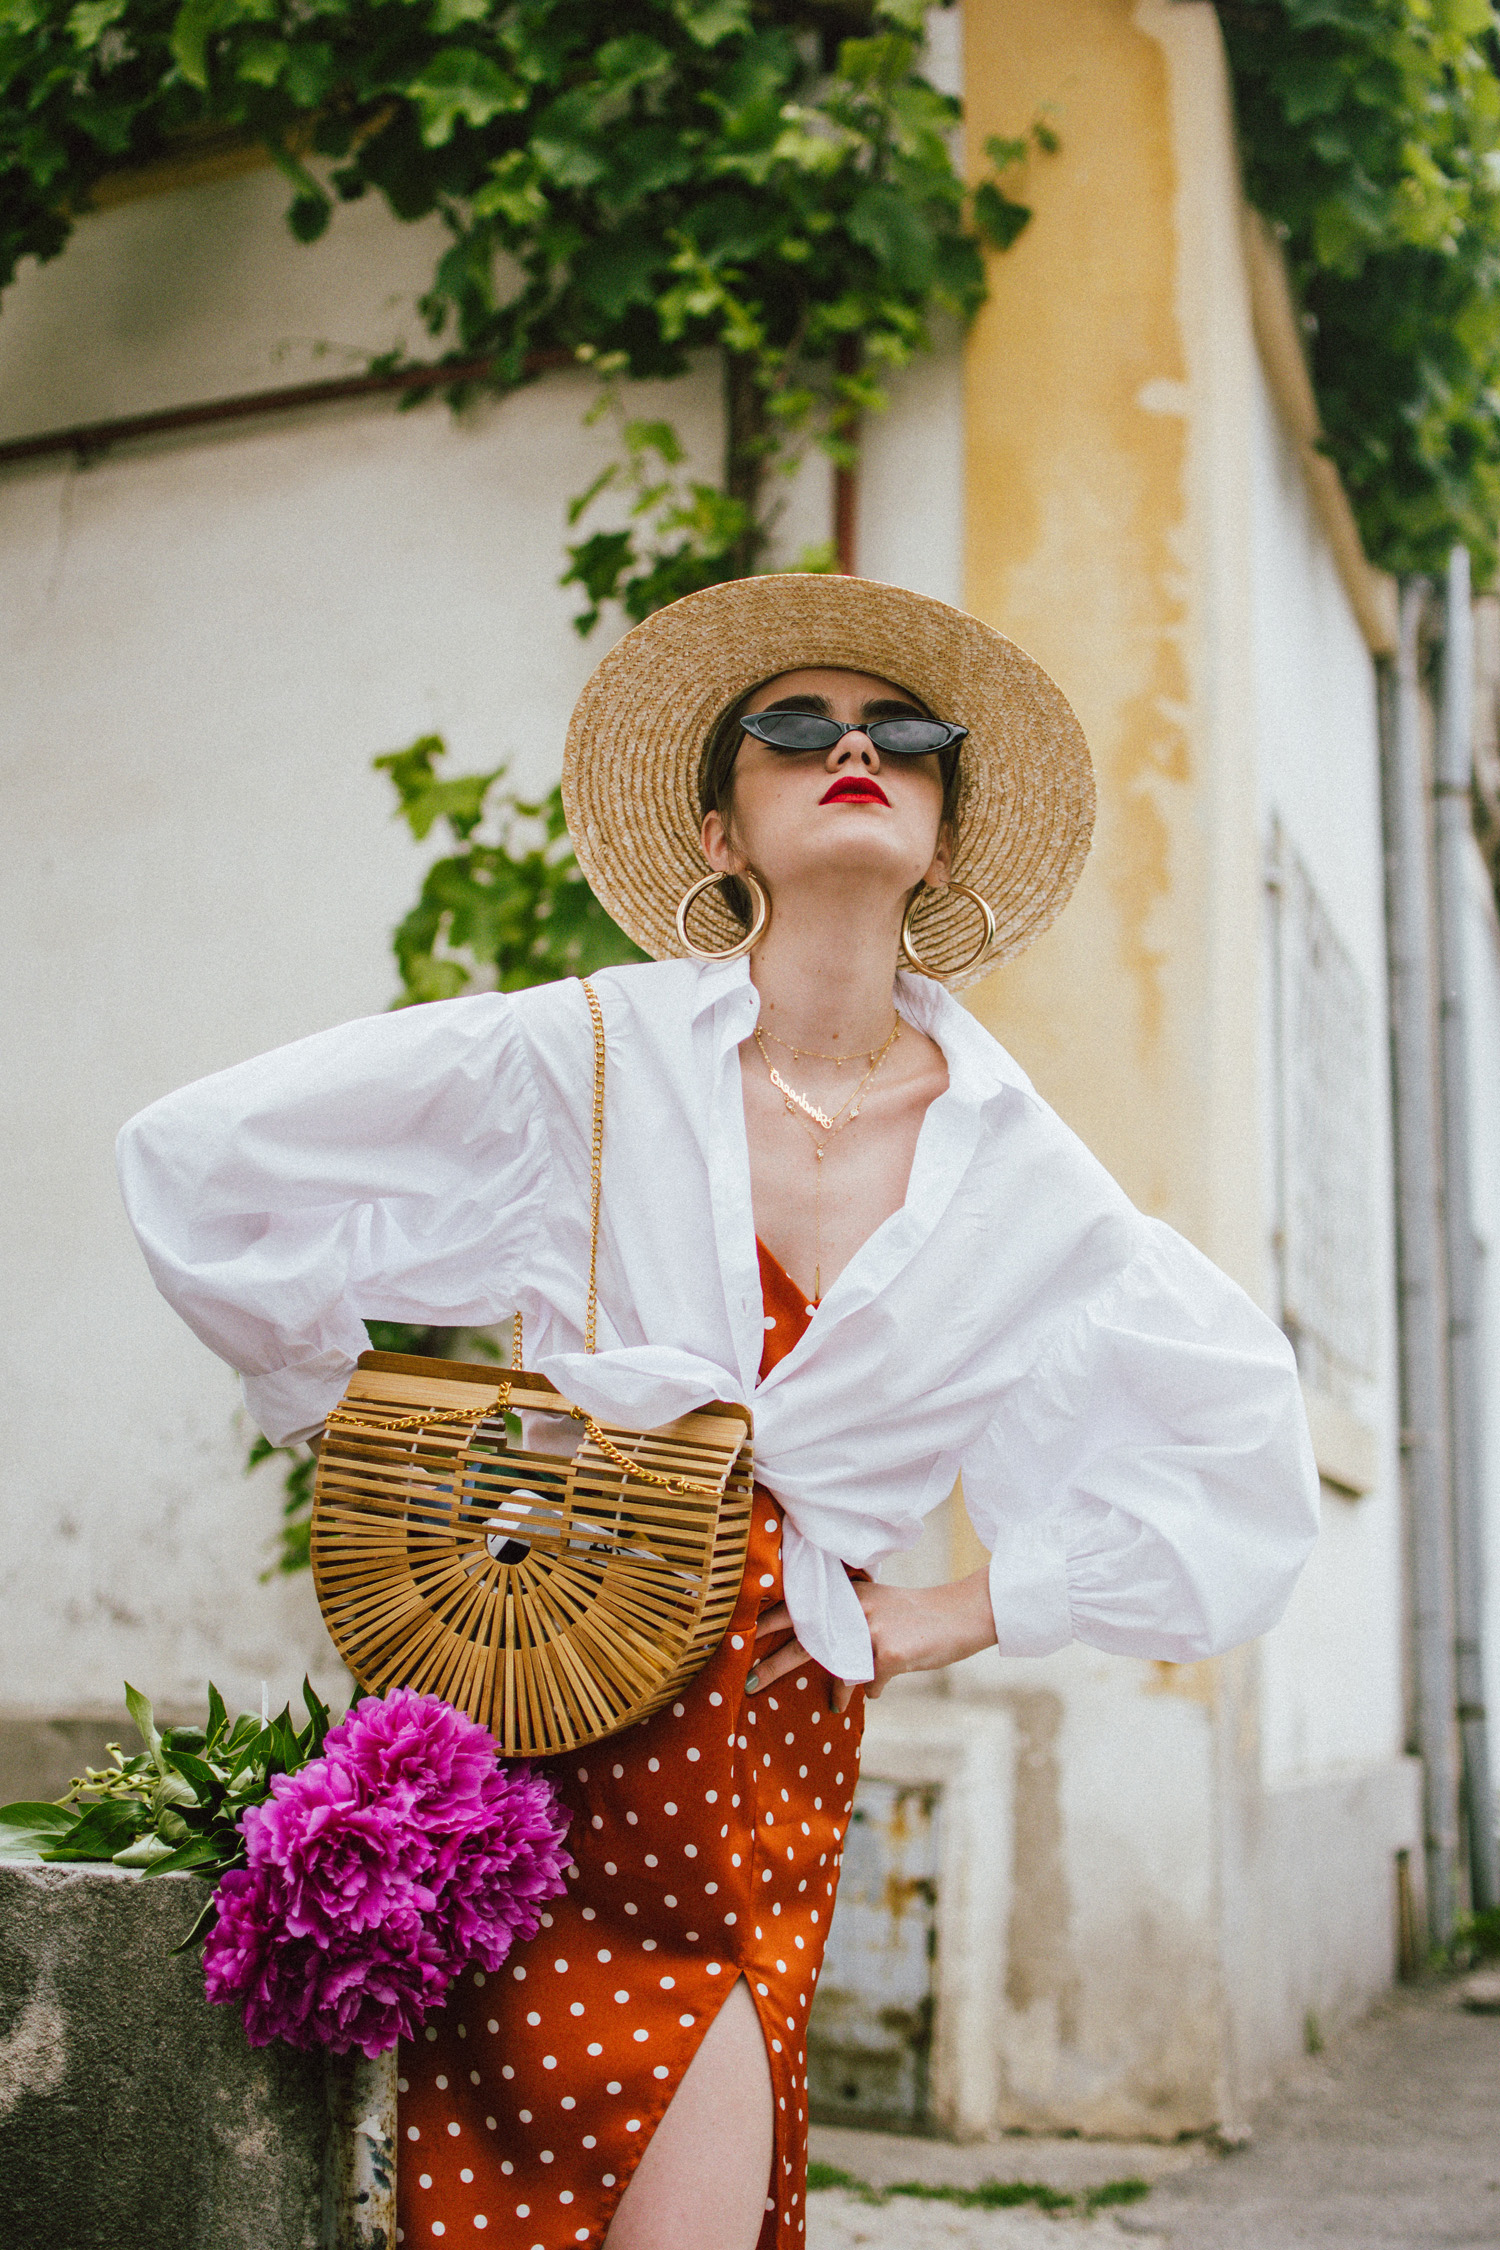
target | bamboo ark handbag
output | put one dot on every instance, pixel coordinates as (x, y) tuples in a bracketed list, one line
[(554, 1599)]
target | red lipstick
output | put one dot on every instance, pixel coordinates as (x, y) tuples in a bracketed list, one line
[(855, 789)]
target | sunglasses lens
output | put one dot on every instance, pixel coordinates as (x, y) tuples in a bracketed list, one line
[(909, 738), (797, 730)]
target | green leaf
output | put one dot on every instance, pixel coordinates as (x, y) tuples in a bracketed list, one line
[(195, 22), (260, 62), (634, 60), (27, 1829), (143, 1852), (205, 1783), (425, 799), (618, 272), (104, 1829), (199, 1851), (140, 1710), (597, 564), (1003, 152), (880, 63), (888, 226), (458, 85), (566, 142), (910, 15), (512, 192), (999, 219), (203, 1922), (1312, 86), (581, 504), (709, 22), (656, 437), (319, 1719), (87, 21)]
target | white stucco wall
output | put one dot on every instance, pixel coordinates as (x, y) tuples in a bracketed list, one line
[(205, 641), (1331, 1672)]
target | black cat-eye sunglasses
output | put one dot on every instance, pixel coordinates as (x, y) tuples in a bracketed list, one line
[(893, 738)]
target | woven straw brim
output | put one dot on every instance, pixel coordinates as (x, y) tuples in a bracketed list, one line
[(630, 771)]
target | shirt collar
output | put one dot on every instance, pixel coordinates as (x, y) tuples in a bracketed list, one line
[(978, 1066), (726, 985)]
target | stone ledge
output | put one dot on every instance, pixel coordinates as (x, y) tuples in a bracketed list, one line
[(132, 2112), (1071, 2166)]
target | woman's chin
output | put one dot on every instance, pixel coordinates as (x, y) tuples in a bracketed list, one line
[(870, 866)]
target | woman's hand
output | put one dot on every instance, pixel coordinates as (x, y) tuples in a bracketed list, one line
[(912, 1629)]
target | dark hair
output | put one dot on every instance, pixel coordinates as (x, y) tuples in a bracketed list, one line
[(716, 782)]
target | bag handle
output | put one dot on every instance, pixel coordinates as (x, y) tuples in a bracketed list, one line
[(596, 1169), (606, 1445)]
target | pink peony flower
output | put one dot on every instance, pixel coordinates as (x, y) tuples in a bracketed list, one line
[(363, 1992), (376, 1872), (503, 1874), (344, 1862), (415, 1752)]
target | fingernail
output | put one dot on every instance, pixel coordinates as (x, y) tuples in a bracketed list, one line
[(752, 1683)]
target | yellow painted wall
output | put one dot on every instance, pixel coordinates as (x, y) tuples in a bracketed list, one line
[(1106, 512)]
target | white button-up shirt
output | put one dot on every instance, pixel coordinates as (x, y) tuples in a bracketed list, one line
[(1128, 1425)]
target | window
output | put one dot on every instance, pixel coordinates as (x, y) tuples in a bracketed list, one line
[(1324, 1224)]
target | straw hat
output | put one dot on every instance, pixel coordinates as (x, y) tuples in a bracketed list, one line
[(630, 771)]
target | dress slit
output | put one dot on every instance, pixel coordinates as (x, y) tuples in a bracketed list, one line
[(706, 1844)]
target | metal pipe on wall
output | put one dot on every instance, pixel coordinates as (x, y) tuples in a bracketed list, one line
[(1421, 1294), (1452, 836)]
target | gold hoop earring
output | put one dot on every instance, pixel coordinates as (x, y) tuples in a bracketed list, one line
[(753, 936), (986, 940)]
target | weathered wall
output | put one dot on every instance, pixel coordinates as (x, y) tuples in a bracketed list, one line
[(1086, 391), (1107, 530), (1332, 1670), (1138, 518)]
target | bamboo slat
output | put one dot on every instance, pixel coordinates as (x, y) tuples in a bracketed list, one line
[(616, 1591)]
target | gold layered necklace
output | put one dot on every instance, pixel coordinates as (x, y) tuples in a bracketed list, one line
[(819, 1127)]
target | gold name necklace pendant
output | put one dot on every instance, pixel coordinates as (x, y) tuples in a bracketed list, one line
[(808, 1109)]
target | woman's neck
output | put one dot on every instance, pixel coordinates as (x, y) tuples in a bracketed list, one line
[(824, 972)]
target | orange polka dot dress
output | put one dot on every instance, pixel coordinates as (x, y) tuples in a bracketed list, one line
[(706, 1845)]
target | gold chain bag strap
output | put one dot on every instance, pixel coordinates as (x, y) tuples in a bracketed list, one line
[(556, 1600)]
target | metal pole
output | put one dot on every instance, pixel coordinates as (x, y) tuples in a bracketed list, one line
[(1421, 1297), (359, 2188), (1453, 835)]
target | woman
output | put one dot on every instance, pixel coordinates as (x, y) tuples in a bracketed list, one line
[(828, 1192)]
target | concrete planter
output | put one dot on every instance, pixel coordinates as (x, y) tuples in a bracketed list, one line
[(132, 2112)]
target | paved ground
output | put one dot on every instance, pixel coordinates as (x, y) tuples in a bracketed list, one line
[(1389, 2141), (838, 2222)]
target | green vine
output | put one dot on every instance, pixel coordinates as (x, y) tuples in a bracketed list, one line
[(509, 907), (1371, 137), (768, 179), (771, 180), (682, 533)]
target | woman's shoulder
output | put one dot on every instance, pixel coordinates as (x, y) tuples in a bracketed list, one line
[(659, 994), (647, 1009)]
